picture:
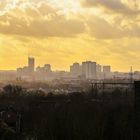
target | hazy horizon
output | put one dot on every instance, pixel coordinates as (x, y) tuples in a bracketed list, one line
[(67, 69)]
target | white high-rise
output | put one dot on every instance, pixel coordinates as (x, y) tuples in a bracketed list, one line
[(89, 69)]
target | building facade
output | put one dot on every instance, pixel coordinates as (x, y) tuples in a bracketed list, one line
[(31, 65), (89, 69)]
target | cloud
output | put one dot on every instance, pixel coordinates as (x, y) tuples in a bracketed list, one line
[(115, 6), (120, 27), (101, 29), (39, 21)]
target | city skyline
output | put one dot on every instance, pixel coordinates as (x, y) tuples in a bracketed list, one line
[(40, 64), (84, 71), (60, 32), (31, 64)]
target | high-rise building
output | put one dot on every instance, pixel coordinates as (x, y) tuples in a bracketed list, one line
[(98, 71), (107, 71), (75, 69), (31, 64), (89, 69)]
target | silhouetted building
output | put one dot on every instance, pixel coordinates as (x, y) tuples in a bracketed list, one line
[(99, 71), (75, 69), (107, 71), (43, 73), (27, 72), (31, 64), (47, 67), (89, 69)]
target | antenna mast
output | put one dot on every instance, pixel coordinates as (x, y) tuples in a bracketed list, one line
[(131, 74)]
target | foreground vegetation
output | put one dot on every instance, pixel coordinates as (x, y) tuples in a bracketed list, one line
[(77, 116)]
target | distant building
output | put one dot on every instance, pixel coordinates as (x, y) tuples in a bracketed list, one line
[(47, 67), (27, 72), (44, 70), (31, 65), (75, 69), (107, 71), (43, 73), (23, 71), (89, 69), (60, 75), (99, 71)]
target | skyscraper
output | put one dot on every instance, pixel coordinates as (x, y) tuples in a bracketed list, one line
[(89, 69), (31, 64)]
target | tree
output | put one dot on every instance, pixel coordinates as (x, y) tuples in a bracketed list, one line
[(6, 133), (12, 89)]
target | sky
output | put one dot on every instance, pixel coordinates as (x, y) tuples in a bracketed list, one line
[(61, 32)]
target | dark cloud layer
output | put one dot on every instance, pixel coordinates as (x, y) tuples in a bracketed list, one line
[(116, 6)]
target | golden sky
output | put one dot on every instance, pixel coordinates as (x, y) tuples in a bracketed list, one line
[(61, 32)]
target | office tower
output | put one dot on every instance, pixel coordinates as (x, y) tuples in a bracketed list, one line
[(98, 71), (107, 71), (75, 69), (31, 64), (89, 69)]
